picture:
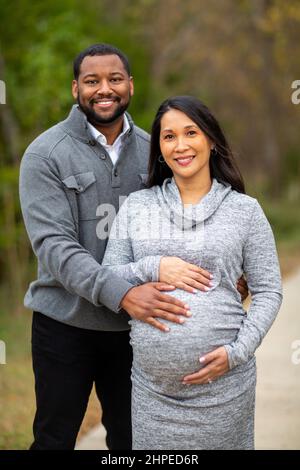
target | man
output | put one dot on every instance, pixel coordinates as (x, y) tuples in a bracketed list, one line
[(80, 332)]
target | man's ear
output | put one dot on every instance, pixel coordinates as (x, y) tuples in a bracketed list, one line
[(75, 89), (131, 85)]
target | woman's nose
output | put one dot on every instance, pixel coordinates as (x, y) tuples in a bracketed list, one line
[(181, 144)]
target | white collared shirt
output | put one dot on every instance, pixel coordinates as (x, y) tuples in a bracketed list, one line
[(113, 150)]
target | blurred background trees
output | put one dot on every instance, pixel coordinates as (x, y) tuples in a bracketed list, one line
[(240, 57)]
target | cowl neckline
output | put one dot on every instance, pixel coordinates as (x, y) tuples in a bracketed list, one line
[(192, 214)]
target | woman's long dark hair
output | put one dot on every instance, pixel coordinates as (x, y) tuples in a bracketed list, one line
[(222, 163)]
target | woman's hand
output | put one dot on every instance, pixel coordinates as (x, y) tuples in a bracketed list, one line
[(216, 364), (183, 275)]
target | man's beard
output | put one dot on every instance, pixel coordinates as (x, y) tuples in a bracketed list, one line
[(94, 118)]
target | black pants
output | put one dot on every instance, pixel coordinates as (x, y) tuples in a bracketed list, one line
[(66, 363)]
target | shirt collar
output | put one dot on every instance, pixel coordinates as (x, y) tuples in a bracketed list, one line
[(102, 139)]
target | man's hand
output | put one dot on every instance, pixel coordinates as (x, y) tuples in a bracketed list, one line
[(242, 287), (147, 302), (216, 364), (183, 275)]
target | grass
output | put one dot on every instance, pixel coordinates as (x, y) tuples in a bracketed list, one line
[(16, 382), (17, 385)]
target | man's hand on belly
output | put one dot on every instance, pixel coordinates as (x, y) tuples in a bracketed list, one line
[(215, 364), (147, 302)]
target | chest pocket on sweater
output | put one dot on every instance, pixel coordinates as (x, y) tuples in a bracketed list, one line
[(82, 192)]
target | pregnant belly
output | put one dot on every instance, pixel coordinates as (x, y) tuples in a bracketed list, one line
[(170, 356)]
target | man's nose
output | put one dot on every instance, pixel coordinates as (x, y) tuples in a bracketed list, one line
[(104, 88)]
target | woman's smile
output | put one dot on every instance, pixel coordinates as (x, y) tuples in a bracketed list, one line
[(184, 161)]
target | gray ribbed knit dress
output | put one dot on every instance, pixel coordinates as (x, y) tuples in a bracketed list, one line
[(227, 233)]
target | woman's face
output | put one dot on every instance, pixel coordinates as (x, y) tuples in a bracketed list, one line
[(184, 146)]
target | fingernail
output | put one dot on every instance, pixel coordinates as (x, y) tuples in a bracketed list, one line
[(202, 359), (211, 276), (206, 289), (188, 313), (167, 329), (210, 284), (181, 320), (186, 306)]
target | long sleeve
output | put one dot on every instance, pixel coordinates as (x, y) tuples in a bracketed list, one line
[(53, 234), (262, 271), (119, 256)]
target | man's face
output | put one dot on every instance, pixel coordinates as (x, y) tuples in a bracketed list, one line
[(103, 89)]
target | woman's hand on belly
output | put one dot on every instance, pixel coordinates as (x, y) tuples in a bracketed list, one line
[(215, 364), (183, 275)]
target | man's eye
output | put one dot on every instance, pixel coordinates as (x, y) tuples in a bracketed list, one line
[(114, 80), (91, 82)]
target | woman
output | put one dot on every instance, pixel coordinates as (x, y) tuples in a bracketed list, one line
[(194, 387)]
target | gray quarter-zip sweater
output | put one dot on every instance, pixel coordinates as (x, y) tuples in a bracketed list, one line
[(70, 192)]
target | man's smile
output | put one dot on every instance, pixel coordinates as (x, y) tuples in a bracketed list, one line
[(102, 103)]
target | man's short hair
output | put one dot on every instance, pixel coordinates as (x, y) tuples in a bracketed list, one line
[(99, 49)]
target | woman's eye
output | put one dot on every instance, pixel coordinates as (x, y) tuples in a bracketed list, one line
[(191, 132), (168, 136)]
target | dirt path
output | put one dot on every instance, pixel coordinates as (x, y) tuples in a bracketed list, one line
[(278, 384)]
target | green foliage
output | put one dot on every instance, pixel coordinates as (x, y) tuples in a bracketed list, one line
[(38, 69), (39, 41), (242, 67), (284, 217), (291, 172), (11, 224), (240, 58)]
